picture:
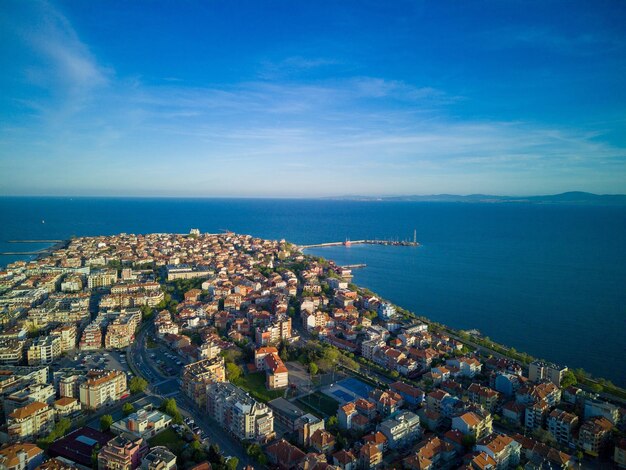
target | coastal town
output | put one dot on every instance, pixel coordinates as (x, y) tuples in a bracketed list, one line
[(222, 351)]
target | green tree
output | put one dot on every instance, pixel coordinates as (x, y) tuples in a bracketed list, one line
[(169, 407), (105, 422), (568, 379), (128, 409), (232, 463), (233, 371), (313, 369), (596, 388), (137, 385)]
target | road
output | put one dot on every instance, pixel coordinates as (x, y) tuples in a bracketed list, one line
[(166, 387)]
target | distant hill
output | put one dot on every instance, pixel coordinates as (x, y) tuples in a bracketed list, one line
[(572, 197)]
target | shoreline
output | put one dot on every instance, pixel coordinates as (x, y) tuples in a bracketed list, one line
[(613, 391)]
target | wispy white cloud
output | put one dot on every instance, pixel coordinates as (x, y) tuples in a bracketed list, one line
[(356, 134)]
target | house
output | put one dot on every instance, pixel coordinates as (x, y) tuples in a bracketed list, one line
[(468, 366), (412, 396), (484, 396), (472, 424), (143, 423), (548, 456), (378, 439), (370, 457), (344, 460), (386, 402), (323, 441), (66, 406), (21, 457), (345, 415), (481, 461), (502, 448), (159, 458), (432, 453), (284, 455)]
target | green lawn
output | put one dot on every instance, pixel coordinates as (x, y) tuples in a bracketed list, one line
[(321, 402), (255, 385), (170, 439)]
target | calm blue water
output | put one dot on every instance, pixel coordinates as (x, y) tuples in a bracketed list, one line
[(549, 280)]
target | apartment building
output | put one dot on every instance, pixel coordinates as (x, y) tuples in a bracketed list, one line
[(277, 375), (594, 435), (473, 424), (122, 453), (102, 278), (69, 386), (503, 449), (539, 370), (484, 396), (401, 430), (197, 375), (561, 425), (121, 332), (102, 387), (91, 338), (239, 413), (44, 350), (21, 457), (32, 420), (67, 336)]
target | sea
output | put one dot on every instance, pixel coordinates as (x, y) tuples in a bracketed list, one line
[(549, 280)]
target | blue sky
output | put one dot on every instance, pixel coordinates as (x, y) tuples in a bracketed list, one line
[(242, 98)]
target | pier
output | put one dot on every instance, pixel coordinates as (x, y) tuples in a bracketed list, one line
[(354, 266), (361, 242)]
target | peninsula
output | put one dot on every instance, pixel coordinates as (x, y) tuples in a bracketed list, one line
[(230, 351)]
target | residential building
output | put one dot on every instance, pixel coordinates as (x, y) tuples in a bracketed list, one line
[(120, 332), (283, 455), (277, 375), (401, 430), (66, 406), (32, 420), (322, 441), (91, 338), (594, 434), (345, 460), (370, 457), (562, 425), (21, 457), (472, 424), (102, 387), (44, 350), (596, 407), (122, 453), (67, 336), (101, 278), (539, 370), (502, 448), (432, 453), (536, 415), (69, 386), (619, 454), (197, 375), (159, 458), (143, 423), (345, 415), (239, 413), (484, 396)]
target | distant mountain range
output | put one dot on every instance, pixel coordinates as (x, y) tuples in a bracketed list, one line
[(572, 197)]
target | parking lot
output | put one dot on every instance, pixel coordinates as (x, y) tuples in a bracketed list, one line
[(86, 360)]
